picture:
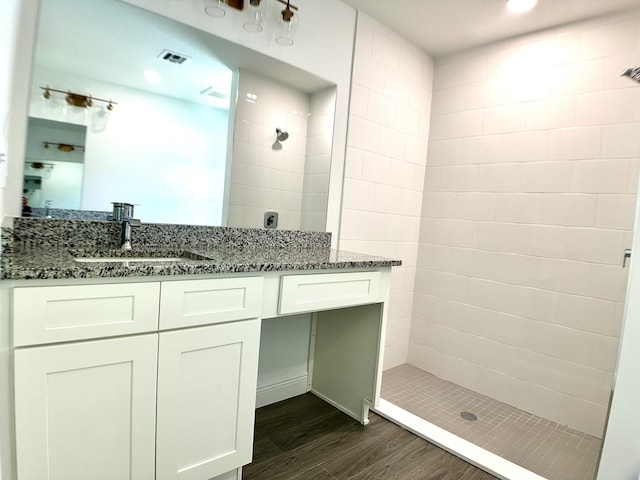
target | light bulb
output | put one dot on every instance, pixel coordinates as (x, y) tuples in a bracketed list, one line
[(520, 6)]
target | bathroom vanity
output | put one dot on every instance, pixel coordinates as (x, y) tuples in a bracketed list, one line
[(144, 364)]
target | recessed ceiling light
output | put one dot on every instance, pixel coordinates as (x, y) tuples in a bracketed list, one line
[(152, 76), (520, 6)]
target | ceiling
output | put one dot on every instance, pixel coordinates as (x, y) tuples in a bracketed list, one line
[(443, 27)]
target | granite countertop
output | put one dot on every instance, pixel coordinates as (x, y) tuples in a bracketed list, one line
[(42, 248), (58, 263)]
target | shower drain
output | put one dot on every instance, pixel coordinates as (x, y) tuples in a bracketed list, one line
[(472, 417)]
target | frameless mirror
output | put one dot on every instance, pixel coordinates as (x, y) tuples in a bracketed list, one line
[(164, 130)]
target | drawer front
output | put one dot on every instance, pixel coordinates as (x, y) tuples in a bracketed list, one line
[(64, 313), (308, 293), (201, 302)]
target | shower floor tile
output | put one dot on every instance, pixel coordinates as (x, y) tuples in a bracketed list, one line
[(551, 450)]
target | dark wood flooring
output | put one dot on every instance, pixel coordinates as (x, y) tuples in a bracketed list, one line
[(306, 438)]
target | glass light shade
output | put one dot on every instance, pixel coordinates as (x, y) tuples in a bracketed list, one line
[(254, 16), (215, 8), (287, 27)]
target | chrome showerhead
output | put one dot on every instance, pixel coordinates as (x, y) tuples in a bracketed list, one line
[(282, 135), (632, 72)]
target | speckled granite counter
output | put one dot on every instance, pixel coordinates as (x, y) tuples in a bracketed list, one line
[(47, 249)]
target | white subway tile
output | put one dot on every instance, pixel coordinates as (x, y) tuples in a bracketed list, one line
[(459, 178), (388, 199), (519, 208), (407, 175), (422, 357), (604, 108), (513, 268), (563, 275), (505, 177), (480, 350), (376, 168), (616, 211), (448, 100), (444, 152), (546, 403), (471, 262), (381, 109), (359, 100), (533, 303), (551, 113), (547, 241), (526, 364), (416, 150), (385, 51), (482, 149), (408, 120), (436, 127), (363, 134), (505, 119), (371, 226), (500, 386), (464, 317), (358, 195), (392, 143), (396, 87), (502, 237), (594, 245), (587, 417), (502, 327), (600, 176), (609, 39), (410, 203), (432, 179), (608, 282), (578, 210), (456, 233), (367, 72), (578, 143), (634, 174), (620, 141), (488, 294), (489, 93), (589, 314), (467, 123), (438, 205), (577, 78), (435, 257), (458, 371), (525, 146), (476, 206)]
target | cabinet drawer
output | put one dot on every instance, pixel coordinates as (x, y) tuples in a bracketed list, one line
[(200, 302), (307, 293), (57, 314)]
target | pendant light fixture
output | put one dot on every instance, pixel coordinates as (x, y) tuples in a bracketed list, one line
[(254, 15), (287, 25)]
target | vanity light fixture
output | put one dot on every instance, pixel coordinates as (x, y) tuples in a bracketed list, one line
[(255, 14), (63, 147), (521, 6), (77, 99)]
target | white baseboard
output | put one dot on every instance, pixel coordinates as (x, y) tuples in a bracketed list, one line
[(276, 391)]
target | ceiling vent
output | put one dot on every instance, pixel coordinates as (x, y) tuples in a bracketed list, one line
[(214, 92), (173, 57)]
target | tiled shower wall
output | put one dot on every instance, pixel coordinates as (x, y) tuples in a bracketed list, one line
[(529, 198), (265, 177), (322, 107), (385, 164)]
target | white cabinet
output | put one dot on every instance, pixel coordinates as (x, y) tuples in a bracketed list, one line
[(206, 399), (166, 404), (87, 410)]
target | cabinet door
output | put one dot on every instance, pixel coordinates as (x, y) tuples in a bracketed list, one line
[(87, 410), (206, 400)]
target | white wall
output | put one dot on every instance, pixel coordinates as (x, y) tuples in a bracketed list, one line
[(385, 164), (529, 203), (264, 175), (151, 144)]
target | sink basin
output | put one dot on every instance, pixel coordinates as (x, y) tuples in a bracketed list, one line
[(138, 255), (129, 259)]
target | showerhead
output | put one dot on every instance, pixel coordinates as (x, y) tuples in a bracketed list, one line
[(282, 135), (632, 72)]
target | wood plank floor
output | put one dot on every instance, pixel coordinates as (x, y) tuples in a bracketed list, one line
[(306, 438)]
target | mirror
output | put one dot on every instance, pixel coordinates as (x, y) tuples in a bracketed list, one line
[(174, 143)]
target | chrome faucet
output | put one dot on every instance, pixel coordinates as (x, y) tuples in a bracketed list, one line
[(125, 215)]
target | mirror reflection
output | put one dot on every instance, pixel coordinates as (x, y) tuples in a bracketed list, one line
[(168, 142)]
